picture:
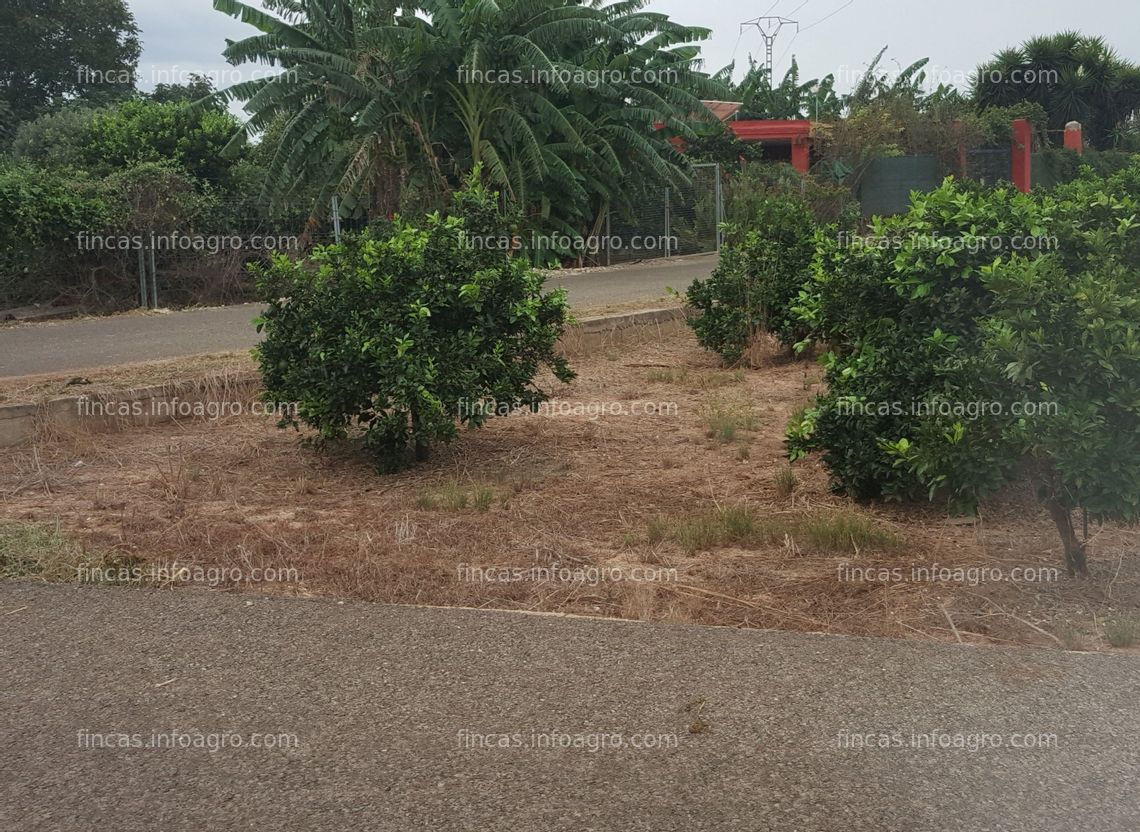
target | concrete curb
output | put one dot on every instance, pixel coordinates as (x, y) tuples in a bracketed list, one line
[(611, 323), (608, 330), (107, 411)]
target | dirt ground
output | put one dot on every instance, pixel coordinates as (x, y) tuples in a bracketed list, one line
[(681, 484)]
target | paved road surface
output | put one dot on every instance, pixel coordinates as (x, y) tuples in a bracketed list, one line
[(100, 342), (386, 704)]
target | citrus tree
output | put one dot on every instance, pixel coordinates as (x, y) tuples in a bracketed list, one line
[(953, 370), (405, 332), (1067, 326)]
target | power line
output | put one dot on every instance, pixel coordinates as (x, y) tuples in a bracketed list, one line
[(736, 48), (828, 17), (780, 60), (784, 54)]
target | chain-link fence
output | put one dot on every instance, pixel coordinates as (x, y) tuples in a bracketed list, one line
[(695, 211), (669, 221), (166, 265), (989, 166), (167, 253)]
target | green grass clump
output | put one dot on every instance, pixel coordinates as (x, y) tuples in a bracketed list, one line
[(695, 381), (454, 497), (668, 375), (737, 522), (722, 527), (825, 532), (725, 418), (698, 534), (658, 530), (483, 498), (785, 482), (845, 531), (1122, 632), (37, 550)]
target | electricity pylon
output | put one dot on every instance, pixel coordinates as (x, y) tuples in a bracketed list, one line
[(770, 30)]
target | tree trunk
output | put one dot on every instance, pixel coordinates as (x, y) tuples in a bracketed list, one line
[(1075, 560), (423, 448)]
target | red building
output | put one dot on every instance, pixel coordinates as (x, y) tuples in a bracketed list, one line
[(787, 140)]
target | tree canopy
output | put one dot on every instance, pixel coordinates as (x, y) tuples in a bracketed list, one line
[(54, 50), (1073, 76), (559, 102)]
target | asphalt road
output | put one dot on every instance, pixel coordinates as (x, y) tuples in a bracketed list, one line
[(401, 718), (59, 346)]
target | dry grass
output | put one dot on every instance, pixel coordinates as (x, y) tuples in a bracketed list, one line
[(739, 546), (662, 302), (28, 389)]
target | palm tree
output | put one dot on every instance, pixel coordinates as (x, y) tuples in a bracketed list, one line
[(1074, 77), (559, 103)]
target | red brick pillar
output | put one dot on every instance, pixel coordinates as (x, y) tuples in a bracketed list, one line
[(1022, 167), (1074, 137)]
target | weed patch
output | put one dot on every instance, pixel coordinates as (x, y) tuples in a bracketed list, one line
[(1122, 632), (832, 532), (31, 550), (725, 418), (454, 497)]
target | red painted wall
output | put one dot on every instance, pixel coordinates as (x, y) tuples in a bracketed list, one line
[(1022, 155), (795, 131)]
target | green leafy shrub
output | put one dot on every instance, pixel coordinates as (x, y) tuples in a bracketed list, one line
[(952, 371), (146, 131), (54, 139), (151, 168), (67, 237), (716, 143), (760, 274), (1067, 326), (902, 310), (1055, 165), (42, 213), (407, 332), (746, 192), (1108, 163), (998, 121), (107, 139)]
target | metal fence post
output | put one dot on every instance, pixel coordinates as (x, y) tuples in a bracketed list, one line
[(336, 218), (153, 275), (719, 197), (142, 278), (609, 247), (668, 223)]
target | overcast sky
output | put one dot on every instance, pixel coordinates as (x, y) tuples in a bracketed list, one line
[(836, 36)]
